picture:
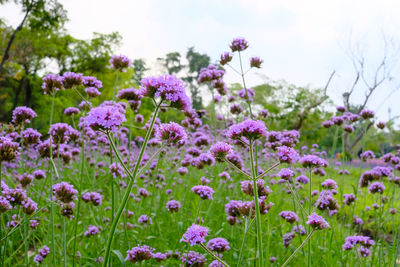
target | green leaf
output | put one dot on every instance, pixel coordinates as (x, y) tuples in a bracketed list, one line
[(120, 257)]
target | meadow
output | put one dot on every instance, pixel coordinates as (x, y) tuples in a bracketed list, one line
[(111, 187)]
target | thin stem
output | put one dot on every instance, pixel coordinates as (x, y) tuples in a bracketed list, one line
[(296, 198), (238, 169), (82, 165), (245, 88), (246, 230), (297, 249), (213, 255), (309, 212), (268, 170), (53, 246), (115, 86), (65, 242), (130, 184), (257, 206)]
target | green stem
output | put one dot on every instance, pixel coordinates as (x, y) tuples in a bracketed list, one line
[(246, 230), (78, 208), (53, 246), (115, 86), (130, 184), (213, 255), (297, 249), (309, 228), (64, 242), (245, 88), (257, 206)]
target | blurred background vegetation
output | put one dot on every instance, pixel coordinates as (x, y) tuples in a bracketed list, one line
[(41, 44)]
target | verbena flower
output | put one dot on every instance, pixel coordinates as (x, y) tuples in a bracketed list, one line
[(173, 206), (220, 150), (205, 192), (9, 150), (140, 253), (250, 129), (92, 230), (317, 222), (255, 62), (289, 216), (64, 192), (92, 91), (195, 234), (287, 154), (192, 259), (247, 94), (168, 88), (120, 62), (376, 187), (226, 57), (30, 136), (239, 44), (52, 83), (107, 118), (130, 94), (22, 115), (172, 133), (312, 161), (211, 73), (367, 114), (218, 244), (72, 79), (90, 81)]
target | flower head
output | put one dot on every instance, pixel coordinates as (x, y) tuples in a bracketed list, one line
[(220, 150), (172, 133), (120, 62), (52, 83), (239, 44), (108, 117), (317, 222), (195, 234), (251, 129), (140, 253)]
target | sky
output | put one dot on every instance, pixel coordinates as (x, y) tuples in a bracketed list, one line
[(301, 42)]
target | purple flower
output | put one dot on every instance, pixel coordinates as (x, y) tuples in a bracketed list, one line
[(120, 62), (367, 114), (30, 136), (23, 115), (286, 174), (365, 242), (248, 188), (381, 125), (92, 91), (312, 161), (4, 205), (173, 206), (192, 259), (90, 81), (289, 216), (340, 109), (226, 57), (255, 62), (71, 79), (144, 219), (327, 124), (140, 253), (64, 192), (329, 184), (108, 117), (251, 129), (168, 88), (287, 154), (376, 187), (211, 73), (302, 179), (247, 94), (205, 192), (367, 155), (130, 94), (195, 234), (220, 150), (172, 133), (92, 230), (348, 198), (218, 244), (52, 83), (9, 150), (317, 222), (239, 44)]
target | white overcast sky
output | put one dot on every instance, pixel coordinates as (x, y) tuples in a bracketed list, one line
[(301, 42)]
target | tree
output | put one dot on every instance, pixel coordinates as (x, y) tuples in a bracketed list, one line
[(172, 63), (139, 65), (367, 78), (39, 14)]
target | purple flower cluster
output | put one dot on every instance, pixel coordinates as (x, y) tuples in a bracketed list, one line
[(92, 230), (205, 192), (247, 94), (30, 136), (226, 57), (248, 188), (72, 79), (140, 253), (289, 216), (168, 88), (312, 161), (107, 117), (239, 44), (218, 244), (9, 150), (287, 154), (64, 192), (220, 150), (211, 73), (376, 187), (172, 133), (365, 241), (173, 206), (195, 234), (317, 222), (250, 129), (22, 115), (42, 254), (93, 197), (120, 62), (255, 62), (52, 83)]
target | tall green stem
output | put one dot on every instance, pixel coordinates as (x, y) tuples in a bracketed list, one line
[(257, 206), (64, 242), (115, 86), (132, 177), (309, 213), (78, 208), (245, 88), (53, 247), (297, 249)]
